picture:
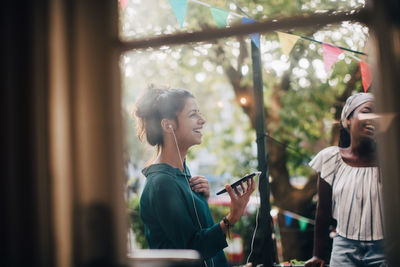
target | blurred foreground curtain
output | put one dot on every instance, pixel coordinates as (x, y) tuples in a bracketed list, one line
[(385, 59), (61, 196)]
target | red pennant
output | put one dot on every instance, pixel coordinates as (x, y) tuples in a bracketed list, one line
[(123, 4), (330, 54), (365, 75)]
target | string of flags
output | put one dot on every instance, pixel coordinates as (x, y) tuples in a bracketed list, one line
[(331, 52), (123, 4), (289, 216)]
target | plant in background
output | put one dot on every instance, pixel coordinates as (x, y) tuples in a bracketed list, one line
[(136, 222), (244, 227)]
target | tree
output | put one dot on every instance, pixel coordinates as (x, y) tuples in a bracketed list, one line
[(301, 101)]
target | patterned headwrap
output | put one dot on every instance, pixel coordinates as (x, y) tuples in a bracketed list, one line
[(352, 103)]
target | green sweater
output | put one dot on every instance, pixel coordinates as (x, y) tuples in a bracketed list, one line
[(168, 213)]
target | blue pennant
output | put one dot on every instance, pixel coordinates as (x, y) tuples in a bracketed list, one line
[(288, 220), (255, 37), (179, 8)]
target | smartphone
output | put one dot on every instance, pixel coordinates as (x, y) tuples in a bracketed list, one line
[(242, 180)]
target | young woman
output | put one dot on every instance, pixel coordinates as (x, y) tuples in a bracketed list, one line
[(349, 190), (173, 204)]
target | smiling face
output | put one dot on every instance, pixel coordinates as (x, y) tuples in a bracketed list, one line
[(190, 125), (362, 128)]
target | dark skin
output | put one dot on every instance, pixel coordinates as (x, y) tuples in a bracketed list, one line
[(360, 153)]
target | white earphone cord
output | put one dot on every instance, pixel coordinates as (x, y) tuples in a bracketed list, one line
[(195, 209), (187, 180), (255, 229)]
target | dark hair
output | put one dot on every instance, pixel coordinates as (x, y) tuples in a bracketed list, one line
[(154, 105), (344, 135)]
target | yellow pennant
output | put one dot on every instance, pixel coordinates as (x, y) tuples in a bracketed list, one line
[(287, 41)]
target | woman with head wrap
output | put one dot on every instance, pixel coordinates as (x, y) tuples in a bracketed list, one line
[(349, 191)]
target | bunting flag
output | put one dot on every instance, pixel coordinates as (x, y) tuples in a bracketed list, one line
[(287, 41), (220, 16), (288, 220), (330, 55), (179, 8), (123, 4), (303, 221), (330, 52), (365, 75), (255, 37), (302, 224)]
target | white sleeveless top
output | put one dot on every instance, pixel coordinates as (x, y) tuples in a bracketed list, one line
[(356, 195)]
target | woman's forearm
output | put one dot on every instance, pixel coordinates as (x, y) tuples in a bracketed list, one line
[(322, 218)]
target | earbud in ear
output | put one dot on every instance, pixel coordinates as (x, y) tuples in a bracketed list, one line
[(170, 126)]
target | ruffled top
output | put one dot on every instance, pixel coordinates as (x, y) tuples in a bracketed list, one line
[(356, 195)]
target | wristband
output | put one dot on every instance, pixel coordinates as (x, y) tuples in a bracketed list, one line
[(228, 225)]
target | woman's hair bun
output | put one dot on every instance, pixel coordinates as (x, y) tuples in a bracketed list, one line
[(146, 102)]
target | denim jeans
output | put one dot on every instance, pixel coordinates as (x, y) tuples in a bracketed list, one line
[(348, 252)]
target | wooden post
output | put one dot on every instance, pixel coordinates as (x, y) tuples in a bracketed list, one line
[(263, 248), (385, 27)]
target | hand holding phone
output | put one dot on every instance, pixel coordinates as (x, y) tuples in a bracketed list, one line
[(242, 180)]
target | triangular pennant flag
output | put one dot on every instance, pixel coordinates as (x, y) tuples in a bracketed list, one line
[(255, 37), (330, 54), (123, 4), (365, 75), (287, 41), (302, 224), (219, 16), (288, 220), (179, 8)]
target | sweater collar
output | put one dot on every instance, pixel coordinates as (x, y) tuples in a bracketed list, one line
[(166, 168)]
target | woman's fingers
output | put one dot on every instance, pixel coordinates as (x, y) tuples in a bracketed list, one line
[(199, 187), (247, 189), (242, 186), (236, 191), (251, 184), (197, 179), (199, 184), (229, 189)]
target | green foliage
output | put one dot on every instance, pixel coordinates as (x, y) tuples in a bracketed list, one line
[(296, 88), (136, 222), (135, 152), (244, 227), (218, 211), (293, 262)]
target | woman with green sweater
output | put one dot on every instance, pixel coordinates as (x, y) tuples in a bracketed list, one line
[(173, 204)]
